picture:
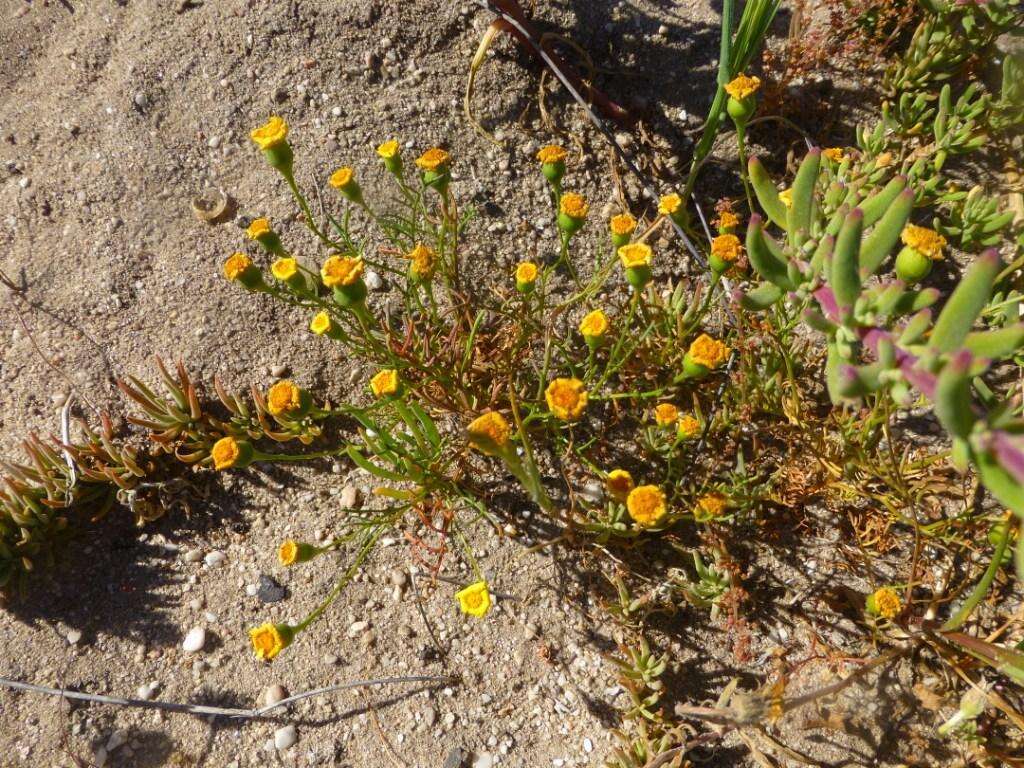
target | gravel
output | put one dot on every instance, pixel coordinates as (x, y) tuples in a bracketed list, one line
[(194, 640)]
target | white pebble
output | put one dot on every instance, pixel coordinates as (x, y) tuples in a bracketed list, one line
[(215, 558), (74, 636), (117, 739), (194, 640), (373, 281), (285, 737), (274, 694)]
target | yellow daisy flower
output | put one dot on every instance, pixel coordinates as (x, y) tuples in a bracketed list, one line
[(433, 159), (236, 265), (552, 153), (646, 505), (283, 397), (619, 483), (258, 228), (423, 261), (885, 603), (566, 398), (526, 272), (623, 224), (574, 206), (710, 506), (225, 453), (271, 134), (669, 204), (786, 196), (925, 241), (388, 150), (474, 600), (384, 382), (268, 640), (341, 178), (665, 414), (688, 427), (708, 352), (635, 255), (284, 269), (835, 154), (341, 270), (288, 552), (726, 247), (321, 324), (595, 324), (489, 432), (727, 220), (742, 86)]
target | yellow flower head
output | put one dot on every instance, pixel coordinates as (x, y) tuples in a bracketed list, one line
[(268, 640), (665, 414), (710, 506), (423, 261), (728, 220), (552, 153), (595, 324), (646, 505), (574, 206), (321, 324), (283, 397), (489, 431), (285, 269), (526, 272), (669, 204), (341, 178), (272, 133), (688, 426), (225, 453), (384, 382), (623, 224), (884, 160), (288, 552), (619, 483), (726, 247), (433, 159), (566, 398), (786, 196), (743, 86), (635, 255), (925, 241), (887, 602), (835, 154), (341, 270), (708, 352), (257, 228), (388, 149), (235, 265), (474, 600)]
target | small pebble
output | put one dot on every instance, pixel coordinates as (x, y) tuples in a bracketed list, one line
[(373, 280), (117, 739), (192, 556), (215, 558), (350, 497), (279, 371), (74, 636), (274, 694), (285, 737), (194, 640)]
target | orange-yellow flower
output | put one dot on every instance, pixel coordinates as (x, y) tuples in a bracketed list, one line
[(574, 206), (786, 196), (388, 149), (236, 265), (474, 600), (268, 640), (489, 432), (341, 270), (272, 133), (925, 241), (623, 224), (284, 397), (594, 324), (646, 505), (710, 506), (728, 220), (665, 414), (288, 552), (742, 86), (726, 247), (835, 154), (566, 398), (433, 159), (635, 255), (552, 153), (423, 261), (669, 204), (689, 427), (885, 603), (285, 269), (384, 382), (257, 228), (708, 352), (225, 453), (619, 483), (341, 178), (321, 324), (526, 273)]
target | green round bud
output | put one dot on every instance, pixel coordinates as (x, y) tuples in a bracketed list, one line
[(693, 369), (350, 295), (568, 224), (553, 172), (741, 110), (280, 157), (638, 277), (912, 266)]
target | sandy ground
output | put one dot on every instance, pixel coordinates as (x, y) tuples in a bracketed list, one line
[(112, 116)]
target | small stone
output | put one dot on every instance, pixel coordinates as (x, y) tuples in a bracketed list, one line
[(194, 640), (399, 578), (100, 757), (588, 745), (457, 758), (280, 95), (330, 659), (270, 591), (484, 760), (74, 636), (274, 694), (430, 717), (373, 280), (117, 739), (192, 556), (279, 371), (357, 628), (285, 737), (147, 690), (252, 589), (350, 497), (141, 100), (215, 558), (663, 30)]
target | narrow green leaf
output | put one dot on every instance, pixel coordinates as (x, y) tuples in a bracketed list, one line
[(966, 303)]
